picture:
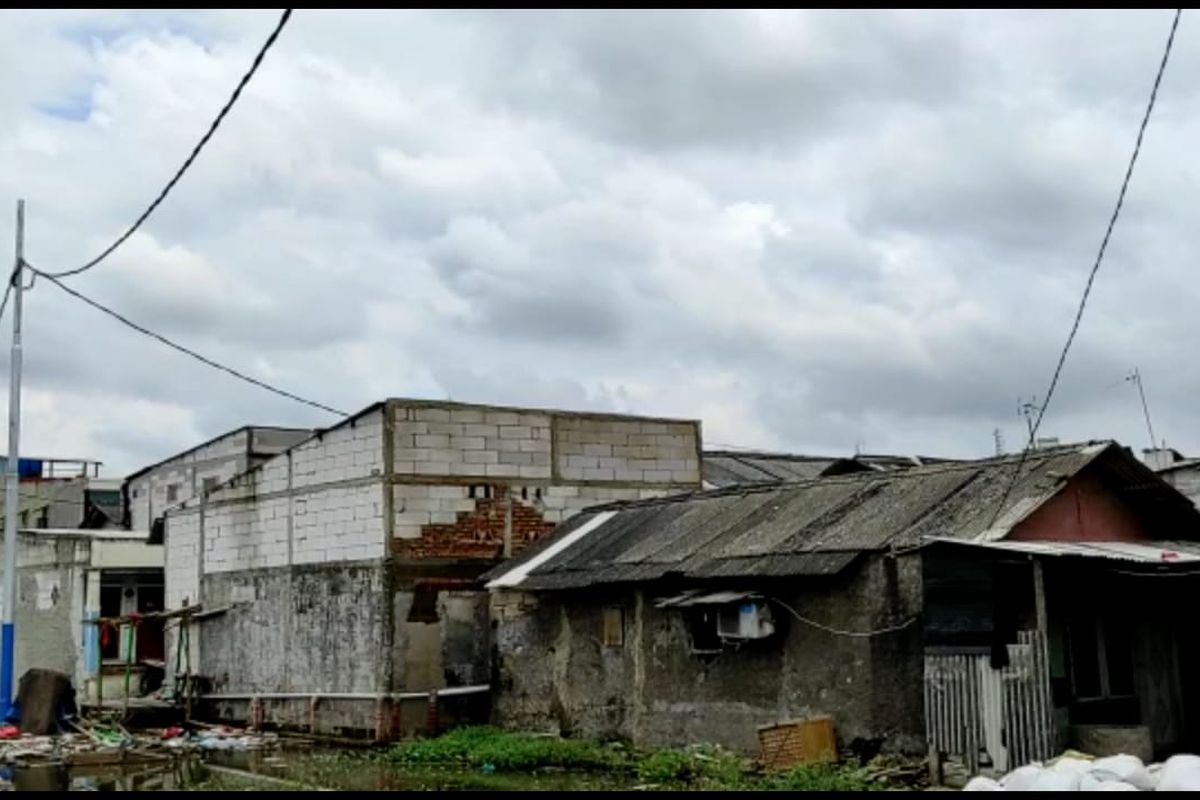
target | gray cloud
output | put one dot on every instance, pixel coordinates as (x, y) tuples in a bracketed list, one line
[(810, 230)]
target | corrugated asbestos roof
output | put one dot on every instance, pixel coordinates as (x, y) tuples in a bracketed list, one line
[(736, 468), (818, 527)]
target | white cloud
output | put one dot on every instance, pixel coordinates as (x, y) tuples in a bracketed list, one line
[(811, 230)]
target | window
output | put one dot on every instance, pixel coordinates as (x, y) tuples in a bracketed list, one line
[(43, 519), (614, 627), (172, 492), (1101, 660)]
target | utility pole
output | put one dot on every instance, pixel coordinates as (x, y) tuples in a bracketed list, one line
[(12, 485), (1136, 377)]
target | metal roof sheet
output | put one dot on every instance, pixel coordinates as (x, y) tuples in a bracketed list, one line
[(1141, 552), (819, 527), (698, 598)]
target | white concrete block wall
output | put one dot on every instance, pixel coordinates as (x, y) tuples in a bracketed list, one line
[(341, 454), (182, 551), (471, 442), (220, 460), (560, 503), (273, 475), (626, 450), (417, 505), (233, 446), (342, 523)]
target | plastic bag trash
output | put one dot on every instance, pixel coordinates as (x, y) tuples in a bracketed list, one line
[(1021, 779), (982, 784), (1073, 765), (1056, 781), (1124, 768), (1112, 786), (1180, 774)]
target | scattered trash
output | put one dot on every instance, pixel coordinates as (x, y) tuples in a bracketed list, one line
[(10, 732), (489, 768), (1079, 772), (97, 744)]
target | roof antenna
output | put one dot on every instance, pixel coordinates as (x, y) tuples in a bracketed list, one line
[(998, 436), (1028, 410), (1136, 377)]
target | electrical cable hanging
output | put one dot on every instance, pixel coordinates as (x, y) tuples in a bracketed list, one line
[(182, 349), (1087, 289), (838, 632), (212, 128)]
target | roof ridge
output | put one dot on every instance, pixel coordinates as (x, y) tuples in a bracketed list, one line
[(916, 471)]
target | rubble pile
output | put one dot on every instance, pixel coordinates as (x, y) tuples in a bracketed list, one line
[(98, 744), (1077, 772)]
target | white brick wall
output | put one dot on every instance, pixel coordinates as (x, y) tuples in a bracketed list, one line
[(471, 442), (636, 451), (182, 550), (414, 505), (341, 454), (338, 524), (221, 459)]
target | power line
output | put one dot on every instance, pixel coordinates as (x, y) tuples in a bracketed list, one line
[(212, 128), (1087, 289), (185, 350), (839, 632)]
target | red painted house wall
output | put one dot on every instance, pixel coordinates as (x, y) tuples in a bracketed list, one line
[(1084, 511)]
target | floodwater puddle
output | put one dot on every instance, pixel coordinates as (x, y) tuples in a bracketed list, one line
[(291, 769)]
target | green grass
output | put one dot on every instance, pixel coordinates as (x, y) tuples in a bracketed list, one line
[(486, 750), (490, 748)]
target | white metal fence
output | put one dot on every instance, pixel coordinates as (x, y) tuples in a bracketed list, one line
[(971, 708)]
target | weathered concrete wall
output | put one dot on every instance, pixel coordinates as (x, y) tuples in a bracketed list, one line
[(50, 596), (408, 499), (304, 628), (554, 672)]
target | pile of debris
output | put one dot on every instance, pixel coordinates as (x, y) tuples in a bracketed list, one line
[(97, 744), (217, 737), (1079, 772)]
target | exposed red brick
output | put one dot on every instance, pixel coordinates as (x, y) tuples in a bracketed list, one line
[(479, 533)]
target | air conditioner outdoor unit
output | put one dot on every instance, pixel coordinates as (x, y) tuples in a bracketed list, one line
[(748, 620)]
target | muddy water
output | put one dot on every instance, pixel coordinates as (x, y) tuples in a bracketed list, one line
[(291, 770)]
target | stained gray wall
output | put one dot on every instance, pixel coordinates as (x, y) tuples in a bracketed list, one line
[(554, 673)]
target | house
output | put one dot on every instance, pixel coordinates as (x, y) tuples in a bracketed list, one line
[(738, 467), (698, 618), (342, 575), (1174, 468), (65, 493), (178, 478), (68, 577)]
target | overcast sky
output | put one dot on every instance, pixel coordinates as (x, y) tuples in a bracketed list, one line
[(812, 231)]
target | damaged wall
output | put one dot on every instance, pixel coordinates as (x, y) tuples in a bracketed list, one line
[(556, 672), (403, 507), (50, 595)]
